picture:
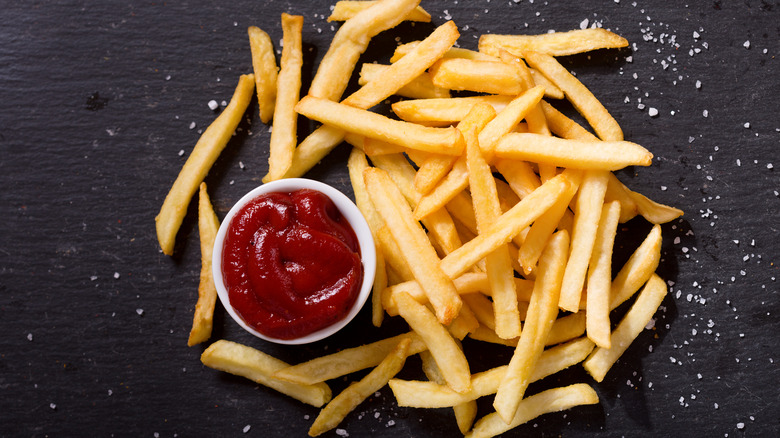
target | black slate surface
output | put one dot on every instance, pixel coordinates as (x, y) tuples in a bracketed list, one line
[(97, 100)]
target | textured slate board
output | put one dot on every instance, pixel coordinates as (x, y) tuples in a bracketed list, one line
[(96, 102)]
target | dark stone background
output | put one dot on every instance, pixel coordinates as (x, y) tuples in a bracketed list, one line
[(96, 102)]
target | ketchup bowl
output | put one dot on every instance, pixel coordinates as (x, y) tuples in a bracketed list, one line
[(286, 258)]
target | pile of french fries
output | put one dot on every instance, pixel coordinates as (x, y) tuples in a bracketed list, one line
[(494, 214)]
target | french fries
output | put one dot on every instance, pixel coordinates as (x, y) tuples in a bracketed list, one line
[(259, 367), (463, 196), (338, 408), (205, 153)]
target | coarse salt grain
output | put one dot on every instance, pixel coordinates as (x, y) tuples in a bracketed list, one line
[(213, 105), (652, 112), (246, 428)]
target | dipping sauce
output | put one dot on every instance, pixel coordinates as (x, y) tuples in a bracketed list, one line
[(291, 263)]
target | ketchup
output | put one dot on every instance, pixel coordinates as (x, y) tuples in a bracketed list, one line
[(291, 264)]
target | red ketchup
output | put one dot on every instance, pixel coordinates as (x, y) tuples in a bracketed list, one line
[(291, 264)]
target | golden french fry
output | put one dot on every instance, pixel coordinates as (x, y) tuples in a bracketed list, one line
[(393, 257), (346, 361), (519, 175), (586, 221), (563, 126), (583, 100), (356, 164), (553, 44), (654, 212), (506, 226), (452, 184), (421, 87), (259, 367), (445, 350), (338, 408), (551, 91), (413, 244), (600, 276), (638, 269), (444, 111), (576, 154), (372, 125), (345, 9), (493, 77), (265, 70), (351, 40), (205, 153), (487, 210), (464, 323), (539, 319), (208, 225), (637, 318), (284, 135), (551, 400), (432, 394)]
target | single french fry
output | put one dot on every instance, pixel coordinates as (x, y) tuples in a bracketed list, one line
[(209, 146), (265, 70), (343, 10), (208, 225), (551, 400), (259, 367), (356, 164), (447, 353), (421, 87), (393, 257), (576, 154), (563, 126), (543, 228), (341, 405), (541, 314), (464, 323), (583, 100), (444, 111), (654, 212), (600, 276), (638, 269), (551, 91), (413, 244), (586, 221), (506, 226), (553, 44), (493, 77), (487, 210), (417, 394), (288, 87), (601, 360), (372, 125), (351, 40), (346, 361)]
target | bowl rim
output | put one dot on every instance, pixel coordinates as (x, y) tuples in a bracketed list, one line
[(353, 216)]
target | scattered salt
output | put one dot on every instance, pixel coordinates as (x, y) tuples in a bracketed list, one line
[(213, 105)]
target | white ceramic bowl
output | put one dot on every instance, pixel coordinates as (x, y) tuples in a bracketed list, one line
[(350, 213)]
